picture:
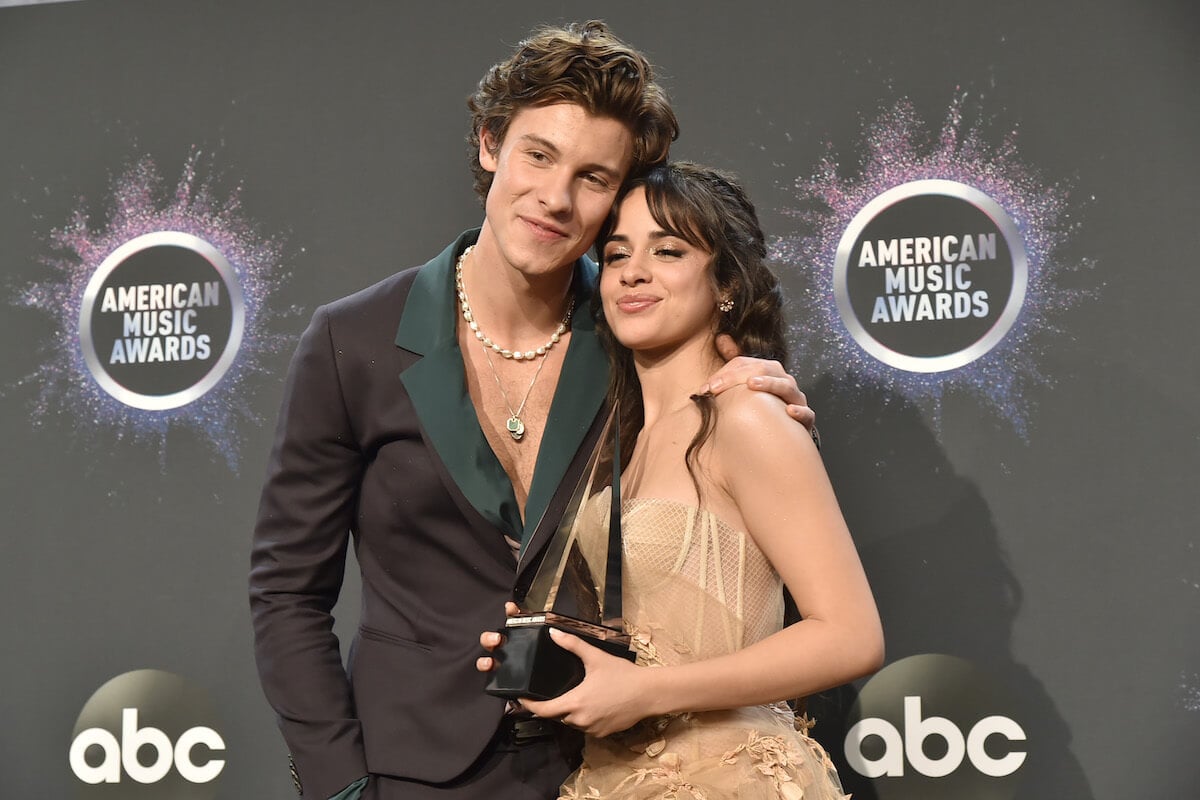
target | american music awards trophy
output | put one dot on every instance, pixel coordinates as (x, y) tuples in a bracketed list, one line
[(570, 593)]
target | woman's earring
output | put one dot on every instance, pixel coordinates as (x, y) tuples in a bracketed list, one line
[(725, 306)]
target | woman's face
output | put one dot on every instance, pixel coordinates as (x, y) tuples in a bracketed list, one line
[(656, 288)]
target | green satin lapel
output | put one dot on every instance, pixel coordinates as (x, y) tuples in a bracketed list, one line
[(438, 390), (437, 387)]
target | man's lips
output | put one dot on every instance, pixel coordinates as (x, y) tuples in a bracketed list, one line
[(633, 303), (543, 229)]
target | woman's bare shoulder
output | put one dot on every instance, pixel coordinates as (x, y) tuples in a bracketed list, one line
[(745, 412)]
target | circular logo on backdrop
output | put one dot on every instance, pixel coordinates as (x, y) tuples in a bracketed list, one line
[(933, 727), (930, 275), (147, 734), (161, 320)]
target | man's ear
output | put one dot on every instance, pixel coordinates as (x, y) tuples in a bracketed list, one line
[(489, 150)]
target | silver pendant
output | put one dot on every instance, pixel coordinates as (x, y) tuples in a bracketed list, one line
[(515, 427)]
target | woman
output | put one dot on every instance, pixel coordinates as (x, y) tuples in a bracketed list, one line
[(726, 498)]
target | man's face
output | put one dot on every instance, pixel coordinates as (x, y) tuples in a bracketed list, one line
[(555, 177)]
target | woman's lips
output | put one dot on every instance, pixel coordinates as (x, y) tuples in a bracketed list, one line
[(633, 303)]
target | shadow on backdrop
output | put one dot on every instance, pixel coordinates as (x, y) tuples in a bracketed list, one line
[(931, 551)]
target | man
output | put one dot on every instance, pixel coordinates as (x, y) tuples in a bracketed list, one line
[(440, 418)]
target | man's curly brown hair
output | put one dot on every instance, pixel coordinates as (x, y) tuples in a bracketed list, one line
[(584, 64)]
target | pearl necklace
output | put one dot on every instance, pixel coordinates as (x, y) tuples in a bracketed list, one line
[(515, 355), (514, 425)]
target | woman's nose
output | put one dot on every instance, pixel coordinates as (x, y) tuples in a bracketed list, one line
[(634, 270)]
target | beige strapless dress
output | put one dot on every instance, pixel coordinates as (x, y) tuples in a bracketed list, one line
[(695, 588)]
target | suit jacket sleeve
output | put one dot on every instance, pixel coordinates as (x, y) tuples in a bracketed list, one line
[(297, 564)]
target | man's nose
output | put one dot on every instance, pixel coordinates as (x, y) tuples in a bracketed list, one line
[(555, 194)]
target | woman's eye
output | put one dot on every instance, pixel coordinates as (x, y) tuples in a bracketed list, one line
[(668, 252), (614, 256)]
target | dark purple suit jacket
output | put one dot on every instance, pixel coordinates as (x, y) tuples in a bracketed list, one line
[(378, 444)]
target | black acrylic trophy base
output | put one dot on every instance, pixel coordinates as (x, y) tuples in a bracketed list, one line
[(530, 664)]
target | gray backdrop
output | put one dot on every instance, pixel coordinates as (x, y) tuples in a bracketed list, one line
[(1061, 557)]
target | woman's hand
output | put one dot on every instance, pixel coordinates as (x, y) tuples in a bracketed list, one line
[(611, 698)]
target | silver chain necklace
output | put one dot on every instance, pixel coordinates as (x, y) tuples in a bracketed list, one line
[(515, 425)]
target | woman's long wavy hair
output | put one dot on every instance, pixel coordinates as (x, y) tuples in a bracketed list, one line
[(708, 209)]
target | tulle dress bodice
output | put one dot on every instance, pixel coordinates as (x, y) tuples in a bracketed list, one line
[(695, 588)]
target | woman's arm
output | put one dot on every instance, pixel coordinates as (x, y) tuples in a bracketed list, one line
[(770, 469)]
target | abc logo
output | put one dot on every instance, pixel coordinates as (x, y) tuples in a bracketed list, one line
[(126, 753), (931, 727), (147, 734), (910, 744)]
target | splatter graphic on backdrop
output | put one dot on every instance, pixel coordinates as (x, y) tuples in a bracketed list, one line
[(136, 304), (942, 258)]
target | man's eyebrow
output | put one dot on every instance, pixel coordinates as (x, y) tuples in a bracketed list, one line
[(611, 172), (540, 141)]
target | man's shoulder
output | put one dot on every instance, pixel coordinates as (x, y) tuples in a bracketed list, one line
[(388, 294), (370, 314)]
